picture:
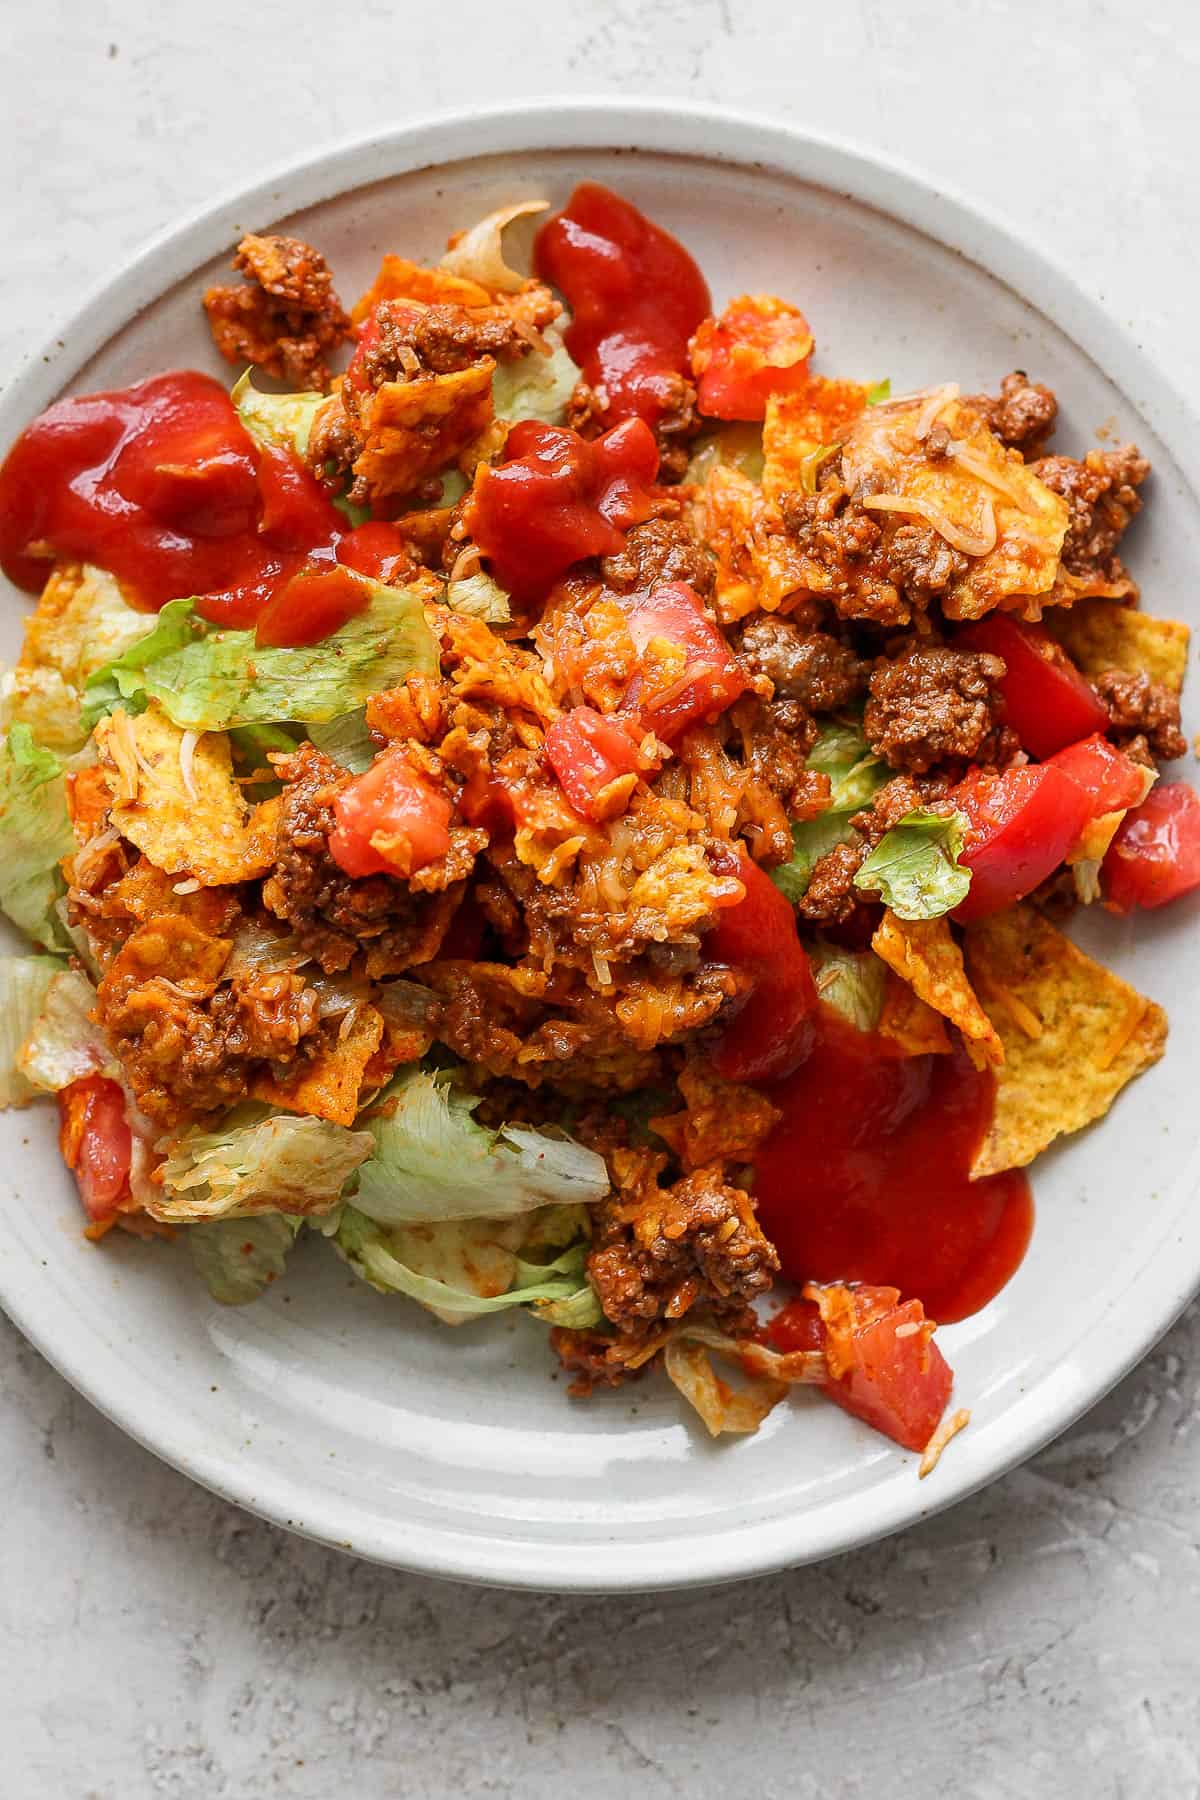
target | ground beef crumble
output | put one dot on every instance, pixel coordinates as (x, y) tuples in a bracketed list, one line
[(285, 317), (935, 703), (1102, 497), (1141, 709), (811, 668), (1023, 415), (656, 551)]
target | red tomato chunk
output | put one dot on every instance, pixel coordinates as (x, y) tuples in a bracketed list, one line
[(673, 617), (1111, 780), (758, 347), (588, 752), (1155, 856), (774, 1031), (1022, 823), (883, 1365), (96, 1142), (390, 821), (1049, 704)]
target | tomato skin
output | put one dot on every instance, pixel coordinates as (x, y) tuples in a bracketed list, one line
[(712, 679), (1111, 780), (557, 498), (758, 347), (96, 1143), (899, 1385), (776, 1027), (1048, 703), (1022, 822), (311, 606), (1155, 856), (587, 751), (391, 800)]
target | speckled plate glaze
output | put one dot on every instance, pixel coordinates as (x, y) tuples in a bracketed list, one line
[(359, 1420)]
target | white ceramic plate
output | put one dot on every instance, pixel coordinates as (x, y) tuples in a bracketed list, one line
[(355, 1418)]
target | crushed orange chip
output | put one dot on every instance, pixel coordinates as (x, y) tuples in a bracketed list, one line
[(757, 564), (1073, 1033), (174, 796), (1103, 634), (799, 425), (399, 279), (910, 1022), (329, 1087), (414, 428), (923, 953)]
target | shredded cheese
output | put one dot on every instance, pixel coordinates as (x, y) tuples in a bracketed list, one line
[(949, 1428)]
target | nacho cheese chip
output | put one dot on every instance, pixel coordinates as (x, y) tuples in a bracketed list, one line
[(910, 1022), (798, 425), (174, 796), (1073, 1034), (328, 1088), (414, 428), (1103, 634), (924, 954)]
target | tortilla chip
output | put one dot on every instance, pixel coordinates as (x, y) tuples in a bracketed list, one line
[(1073, 1034), (188, 816), (414, 428), (1103, 634), (171, 947), (923, 953), (399, 279), (796, 425), (757, 563), (329, 1087), (910, 1022), (982, 492)]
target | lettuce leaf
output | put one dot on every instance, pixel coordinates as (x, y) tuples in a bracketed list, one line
[(433, 1162), (24, 981), (462, 1268), (735, 446), (536, 386), (881, 391), (277, 421), (63, 1044), (914, 868), (481, 597), (855, 777), (258, 1161), (35, 835), (238, 1258), (853, 981), (347, 740), (206, 679)]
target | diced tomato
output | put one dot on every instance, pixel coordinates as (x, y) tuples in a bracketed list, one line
[(775, 1029), (96, 1142), (1022, 824), (557, 498), (390, 820), (1155, 856), (710, 679), (883, 1365), (311, 607), (1049, 704), (758, 347), (588, 752), (1111, 780)]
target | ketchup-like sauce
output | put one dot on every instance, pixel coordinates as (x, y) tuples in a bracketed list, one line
[(636, 296), (557, 498), (161, 484), (866, 1177)]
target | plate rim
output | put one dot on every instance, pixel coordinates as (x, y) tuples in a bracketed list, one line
[(899, 190)]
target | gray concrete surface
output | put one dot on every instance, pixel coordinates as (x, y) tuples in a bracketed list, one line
[(1041, 1640)]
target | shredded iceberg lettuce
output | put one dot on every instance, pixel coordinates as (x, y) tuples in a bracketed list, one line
[(347, 740), (432, 1161), (63, 1044), (536, 386), (480, 596), (855, 776), (278, 421), (24, 981), (35, 835), (206, 679), (239, 1258), (256, 1162), (462, 1268), (853, 981), (81, 622)]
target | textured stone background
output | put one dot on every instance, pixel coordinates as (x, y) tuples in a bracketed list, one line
[(1041, 1640)]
